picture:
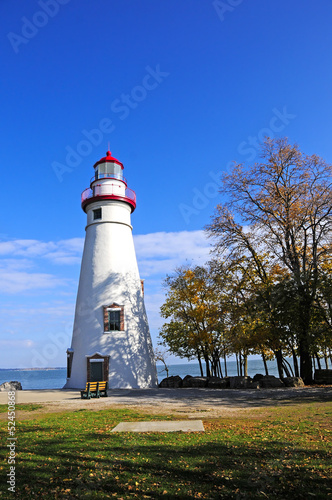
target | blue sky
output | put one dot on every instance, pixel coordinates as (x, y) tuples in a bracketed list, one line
[(179, 89)]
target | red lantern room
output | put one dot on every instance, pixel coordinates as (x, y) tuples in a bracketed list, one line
[(108, 183)]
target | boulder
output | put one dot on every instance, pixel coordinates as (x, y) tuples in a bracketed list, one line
[(14, 385), (293, 382), (189, 381), (323, 377), (239, 382), (171, 382), (258, 377), (186, 381), (270, 382), (217, 383), (254, 384)]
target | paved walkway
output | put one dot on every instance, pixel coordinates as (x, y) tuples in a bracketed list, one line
[(161, 426)]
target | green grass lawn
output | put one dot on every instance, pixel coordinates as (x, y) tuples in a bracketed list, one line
[(280, 452)]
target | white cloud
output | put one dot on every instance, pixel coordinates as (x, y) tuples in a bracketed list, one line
[(17, 276), (158, 254), (20, 281), (61, 252), (25, 248), (161, 253)]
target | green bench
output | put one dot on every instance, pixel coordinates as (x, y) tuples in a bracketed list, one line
[(94, 390)]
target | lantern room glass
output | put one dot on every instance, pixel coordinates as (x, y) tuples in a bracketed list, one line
[(108, 169)]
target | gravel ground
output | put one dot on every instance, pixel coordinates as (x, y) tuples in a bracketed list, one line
[(186, 403)]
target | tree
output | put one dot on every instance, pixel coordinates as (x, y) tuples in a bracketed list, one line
[(162, 355), (323, 312), (194, 313), (281, 207), (254, 327)]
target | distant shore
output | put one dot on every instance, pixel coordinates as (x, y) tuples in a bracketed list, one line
[(32, 369)]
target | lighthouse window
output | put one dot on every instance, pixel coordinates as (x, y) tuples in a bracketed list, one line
[(114, 320), (97, 214)]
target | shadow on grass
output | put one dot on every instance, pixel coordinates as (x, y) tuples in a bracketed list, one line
[(96, 464)]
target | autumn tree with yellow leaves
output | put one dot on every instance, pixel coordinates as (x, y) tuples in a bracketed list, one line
[(195, 316), (281, 207)]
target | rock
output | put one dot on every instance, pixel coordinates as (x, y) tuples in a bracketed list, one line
[(199, 382), (217, 383), (11, 386), (239, 382), (228, 383), (189, 381), (254, 384), (258, 377), (293, 382), (186, 381), (270, 382), (171, 382), (323, 377)]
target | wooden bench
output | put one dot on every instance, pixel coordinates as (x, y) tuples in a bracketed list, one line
[(102, 388), (94, 390)]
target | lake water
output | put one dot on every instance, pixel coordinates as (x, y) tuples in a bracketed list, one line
[(254, 366), (56, 378)]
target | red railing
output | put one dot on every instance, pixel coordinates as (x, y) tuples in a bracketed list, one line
[(109, 191)]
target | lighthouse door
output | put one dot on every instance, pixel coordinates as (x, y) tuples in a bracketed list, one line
[(97, 371), (97, 368)]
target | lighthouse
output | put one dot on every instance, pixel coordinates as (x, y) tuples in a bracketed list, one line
[(111, 339)]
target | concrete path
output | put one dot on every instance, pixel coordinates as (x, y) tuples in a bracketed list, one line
[(161, 426)]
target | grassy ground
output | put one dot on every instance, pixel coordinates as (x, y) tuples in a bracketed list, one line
[(280, 452)]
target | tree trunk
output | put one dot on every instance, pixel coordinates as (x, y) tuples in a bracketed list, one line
[(326, 361), (225, 363), (200, 364), (304, 341), (305, 363), (265, 364), (245, 365), (237, 364), (318, 362), (287, 367), (216, 368), (213, 367), (166, 368), (295, 363), (220, 369), (207, 364), (278, 355)]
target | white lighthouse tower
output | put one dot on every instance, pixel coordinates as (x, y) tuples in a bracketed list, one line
[(111, 339)]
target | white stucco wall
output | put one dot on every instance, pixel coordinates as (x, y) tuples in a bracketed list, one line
[(109, 274)]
